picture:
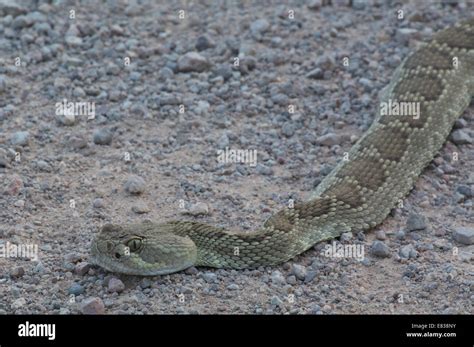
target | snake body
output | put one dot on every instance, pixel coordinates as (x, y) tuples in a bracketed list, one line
[(358, 194)]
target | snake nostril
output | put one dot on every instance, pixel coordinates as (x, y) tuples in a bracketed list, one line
[(117, 255)]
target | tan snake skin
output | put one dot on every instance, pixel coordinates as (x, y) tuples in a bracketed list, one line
[(357, 195)]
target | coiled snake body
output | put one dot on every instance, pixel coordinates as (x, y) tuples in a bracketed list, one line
[(357, 195)]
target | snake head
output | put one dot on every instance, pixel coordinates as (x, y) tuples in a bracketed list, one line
[(142, 249)]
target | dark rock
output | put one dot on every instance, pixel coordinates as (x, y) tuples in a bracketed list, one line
[(415, 222), (380, 249)]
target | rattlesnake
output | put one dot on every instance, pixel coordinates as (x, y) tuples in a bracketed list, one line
[(358, 194)]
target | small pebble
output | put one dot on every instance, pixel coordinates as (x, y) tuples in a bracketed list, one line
[(408, 252), (276, 301), (193, 271), (329, 139), (464, 235), (102, 137), (380, 235), (299, 271), (400, 234), (278, 278), (76, 289), (204, 42), (92, 306), (264, 170), (20, 138), (197, 209), (315, 4), (98, 203), (345, 237), (288, 129), (380, 249), (82, 268), (192, 61), (135, 185), (115, 285), (17, 272), (460, 137), (415, 222), (140, 208), (18, 303), (259, 27), (310, 276), (145, 283), (209, 277), (73, 257), (465, 190), (315, 74), (233, 286), (68, 119), (19, 203)]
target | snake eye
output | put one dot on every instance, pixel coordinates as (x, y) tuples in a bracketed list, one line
[(134, 244)]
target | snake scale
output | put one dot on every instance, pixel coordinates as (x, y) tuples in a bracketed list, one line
[(357, 195)]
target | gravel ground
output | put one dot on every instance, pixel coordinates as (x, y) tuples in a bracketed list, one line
[(170, 89)]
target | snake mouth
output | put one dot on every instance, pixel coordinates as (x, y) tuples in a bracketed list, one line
[(112, 265)]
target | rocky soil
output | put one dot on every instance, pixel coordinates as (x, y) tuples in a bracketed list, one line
[(172, 84)]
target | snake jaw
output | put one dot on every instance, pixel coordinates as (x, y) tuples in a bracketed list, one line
[(164, 254)]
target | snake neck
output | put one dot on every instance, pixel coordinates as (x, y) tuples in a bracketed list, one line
[(274, 243)]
